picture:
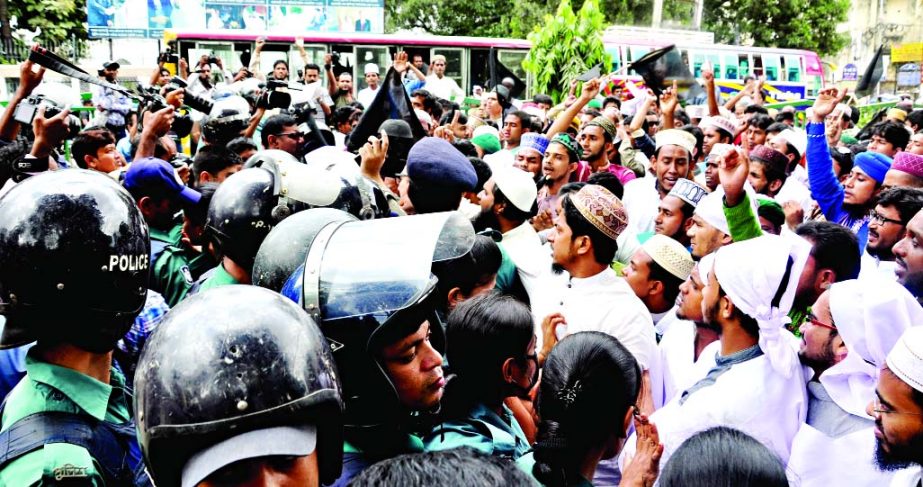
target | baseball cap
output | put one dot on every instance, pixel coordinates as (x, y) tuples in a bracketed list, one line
[(296, 441), (152, 176), (111, 65)]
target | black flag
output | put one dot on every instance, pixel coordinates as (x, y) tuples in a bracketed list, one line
[(498, 71), (872, 74), (661, 67), (391, 102)]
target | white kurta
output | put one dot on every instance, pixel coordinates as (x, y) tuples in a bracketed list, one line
[(642, 201), (366, 96), (910, 477), (872, 267), (751, 397), (606, 303), (533, 265), (678, 366), (445, 88)]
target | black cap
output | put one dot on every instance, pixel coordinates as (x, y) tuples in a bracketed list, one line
[(111, 65)]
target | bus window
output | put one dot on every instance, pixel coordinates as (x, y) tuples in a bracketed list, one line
[(714, 61), (637, 52), (229, 58), (315, 54), (513, 61), (697, 61), (743, 60), (454, 63), (365, 55), (792, 69), (730, 66), (772, 67), (684, 56), (615, 52)]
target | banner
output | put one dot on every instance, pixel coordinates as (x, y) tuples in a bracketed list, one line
[(148, 18)]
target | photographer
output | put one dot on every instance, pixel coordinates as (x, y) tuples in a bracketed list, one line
[(200, 82), (28, 80), (340, 88), (49, 135), (312, 85), (111, 106), (279, 68)]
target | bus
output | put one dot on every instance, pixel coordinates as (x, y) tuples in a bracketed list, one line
[(467, 58), (790, 74)]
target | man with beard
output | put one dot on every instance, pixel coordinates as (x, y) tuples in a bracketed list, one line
[(908, 255), (709, 229), (907, 170), (112, 105), (596, 138), (595, 298), (767, 170), (898, 410), (441, 85), (674, 215), (754, 382), (671, 162), (682, 344), (655, 272), (507, 204), (887, 222), (848, 332), (559, 166)]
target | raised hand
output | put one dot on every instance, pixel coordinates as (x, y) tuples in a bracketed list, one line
[(669, 100), (373, 155), (644, 467), (400, 61), (733, 169), (28, 78), (590, 89), (826, 102)]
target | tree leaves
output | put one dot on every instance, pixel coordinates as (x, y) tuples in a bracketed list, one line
[(567, 45)]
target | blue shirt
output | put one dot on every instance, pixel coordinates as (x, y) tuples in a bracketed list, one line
[(113, 105), (130, 346), (826, 189)]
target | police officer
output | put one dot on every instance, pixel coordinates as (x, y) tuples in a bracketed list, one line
[(237, 387), (250, 203), (74, 258), (381, 322)]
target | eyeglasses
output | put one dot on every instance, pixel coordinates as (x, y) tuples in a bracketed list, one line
[(874, 216), (879, 408), (293, 135), (814, 321)]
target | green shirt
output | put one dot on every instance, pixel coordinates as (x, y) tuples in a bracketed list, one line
[(219, 278), (174, 236), (742, 222), (176, 270), (48, 387), (484, 430)]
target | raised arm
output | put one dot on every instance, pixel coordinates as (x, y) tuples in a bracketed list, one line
[(590, 90)]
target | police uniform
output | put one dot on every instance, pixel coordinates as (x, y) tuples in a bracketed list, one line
[(484, 430), (219, 278), (355, 460), (176, 270), (49, 387)]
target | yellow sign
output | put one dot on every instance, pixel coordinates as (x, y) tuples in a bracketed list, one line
[(907, 53)]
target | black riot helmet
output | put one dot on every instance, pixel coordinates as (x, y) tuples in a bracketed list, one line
[(364, 305), (226, 121), (227, 365), (369, 198), (285, 247), (74, 260), (400, 140), (251, 202)]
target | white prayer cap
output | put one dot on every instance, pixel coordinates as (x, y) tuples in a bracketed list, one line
[(705, 266), (711, 209), (669, 254), (720, 150), (371, 68), (870, 315), (517, 185), (485, 129), (501, 159), (677, 137), (797, 138), (719, 122), (906, 359), (760, 276)]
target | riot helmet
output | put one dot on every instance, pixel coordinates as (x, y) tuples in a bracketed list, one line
[(225, 364), (370, 198), (285, 247), (227, 119), (363, 304), (74, 260), (248, 204)]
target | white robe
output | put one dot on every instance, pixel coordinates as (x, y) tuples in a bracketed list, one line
[(873, 267), (606, 303), (677, 364), (533, 265), (751, 397), (908, 478), (642, 201), (366, 96)]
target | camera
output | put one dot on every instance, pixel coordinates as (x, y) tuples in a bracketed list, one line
[(274, 99), (212, 59), (27, 109), (169, 56), (303, 111), (192, 101), (151, 101)]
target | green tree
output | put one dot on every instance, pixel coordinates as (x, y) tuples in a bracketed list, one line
[(485, 18), (565, 46), (62, 22), (801, 24)]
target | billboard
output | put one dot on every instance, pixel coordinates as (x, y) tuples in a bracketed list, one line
[(148, 18)]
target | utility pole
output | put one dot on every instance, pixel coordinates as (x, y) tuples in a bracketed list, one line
[(657, 15)]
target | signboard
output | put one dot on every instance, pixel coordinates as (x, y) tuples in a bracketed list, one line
[(907, 53), (850, 72), (908, 75), (148, 18)]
